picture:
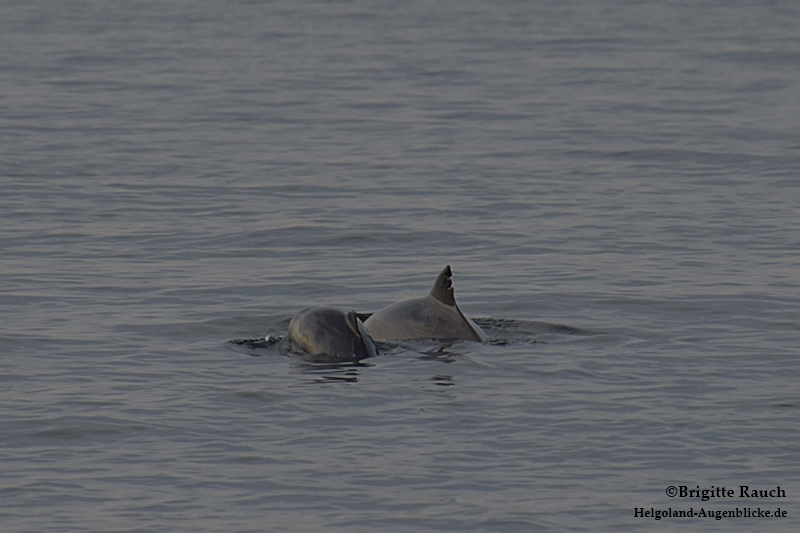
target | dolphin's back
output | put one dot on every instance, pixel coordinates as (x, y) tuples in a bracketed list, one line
[(435, 316)]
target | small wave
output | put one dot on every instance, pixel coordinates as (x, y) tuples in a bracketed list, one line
[(268, 345)]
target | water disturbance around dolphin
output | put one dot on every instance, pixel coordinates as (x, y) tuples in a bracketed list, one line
[(435, 316)]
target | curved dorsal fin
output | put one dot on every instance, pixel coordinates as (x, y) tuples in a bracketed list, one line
[(443, 287), (352, 321)]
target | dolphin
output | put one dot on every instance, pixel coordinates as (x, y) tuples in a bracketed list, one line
[(435, 316), (330, 334)]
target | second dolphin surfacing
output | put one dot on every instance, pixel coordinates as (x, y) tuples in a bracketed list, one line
[(435, 316)]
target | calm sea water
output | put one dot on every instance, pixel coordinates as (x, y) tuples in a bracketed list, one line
[(615, 184)]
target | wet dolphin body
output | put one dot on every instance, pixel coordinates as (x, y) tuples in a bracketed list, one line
[(330, 334), (435, 316)]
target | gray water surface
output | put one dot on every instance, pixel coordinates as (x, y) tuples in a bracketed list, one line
[(615, 184)]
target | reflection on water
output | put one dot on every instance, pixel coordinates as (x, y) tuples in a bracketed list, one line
[(443, 354), (344, 372), (444, 381)]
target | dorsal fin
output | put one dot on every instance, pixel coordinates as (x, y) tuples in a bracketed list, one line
[(352, 321), (443, 287)]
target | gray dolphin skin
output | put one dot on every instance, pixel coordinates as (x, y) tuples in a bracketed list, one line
[(435, 316), (330, 334)]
